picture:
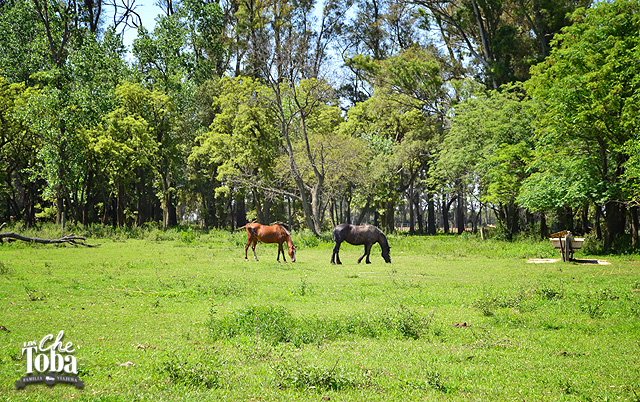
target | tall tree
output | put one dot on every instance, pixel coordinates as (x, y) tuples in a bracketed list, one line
[(242, 144), (503, 37), (22, 50), (589, 89), (488, 149), (412, 101), (123, 143)]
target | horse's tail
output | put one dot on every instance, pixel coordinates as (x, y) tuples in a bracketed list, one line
[(243, 227), (334, 235), (240, 228)]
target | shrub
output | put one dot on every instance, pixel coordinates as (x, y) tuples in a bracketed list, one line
[(592, 245), (4, 270), (193, 375), (276, 324), (306, 376)]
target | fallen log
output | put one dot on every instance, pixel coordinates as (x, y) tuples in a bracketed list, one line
[(70, 239)]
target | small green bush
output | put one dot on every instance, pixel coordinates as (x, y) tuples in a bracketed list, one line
[(194, 375), (277, 325), (4, 270), (307, 376), (592, 245)]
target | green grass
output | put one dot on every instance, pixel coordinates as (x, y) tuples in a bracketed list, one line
[(452, 318)]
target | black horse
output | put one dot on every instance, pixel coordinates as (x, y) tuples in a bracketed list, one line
[(357, 235)]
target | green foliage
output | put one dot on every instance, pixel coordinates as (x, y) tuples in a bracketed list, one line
[(592, 245), (588, 97), (242, 141), (488, 149), (162, 53), (278, 325), (305, 376), (189, 374), (4, 269), (22, 43)]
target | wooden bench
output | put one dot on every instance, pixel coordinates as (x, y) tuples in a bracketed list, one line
[(566, 243)]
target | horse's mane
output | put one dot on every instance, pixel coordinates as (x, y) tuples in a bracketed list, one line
[(283, 226), (383, 239)]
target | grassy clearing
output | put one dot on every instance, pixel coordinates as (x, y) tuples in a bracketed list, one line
[(452, 318)]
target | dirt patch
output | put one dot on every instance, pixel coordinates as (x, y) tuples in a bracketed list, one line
[(552, 260), (542, 260), (593, 262)]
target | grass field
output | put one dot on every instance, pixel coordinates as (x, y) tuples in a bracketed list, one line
[(182, 315)]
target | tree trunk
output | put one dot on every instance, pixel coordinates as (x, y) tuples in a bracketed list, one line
[(431, 214), (615, 219), (363, 212), (485, 40), (411, 210), (59, 204), (544, 229), (445, 212), (584, 219), (598, 215), (70, 238), (388, 219), (419, 215), (120, 204), (334, 215), (141, 201), (29, 207), (169, 211), (316, 205), (348, 209), (241, 211), (289, 203), (635, 240), (460, 219)]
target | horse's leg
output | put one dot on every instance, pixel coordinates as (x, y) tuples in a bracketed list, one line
[(253, 247), (335, 257), (281, 250), (367, 250), (246, 248)]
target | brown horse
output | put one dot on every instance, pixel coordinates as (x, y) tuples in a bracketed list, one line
[(357, 235), (269, 234)]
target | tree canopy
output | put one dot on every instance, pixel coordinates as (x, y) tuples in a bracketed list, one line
[(419, 114)]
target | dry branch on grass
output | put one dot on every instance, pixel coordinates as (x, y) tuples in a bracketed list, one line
[(70, 239)]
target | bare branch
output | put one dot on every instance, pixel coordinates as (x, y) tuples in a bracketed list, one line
[(70, 238)]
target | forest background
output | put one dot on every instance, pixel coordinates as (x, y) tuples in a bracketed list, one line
[(428, 115)]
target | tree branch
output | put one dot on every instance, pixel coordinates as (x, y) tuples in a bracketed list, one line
[(70, 238)]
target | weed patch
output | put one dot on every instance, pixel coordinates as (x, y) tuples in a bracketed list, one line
[(434, 381), (34, 294), (4, 270), (229, 288), (305, 376), (489, 303), (196, 375), (277, 324)]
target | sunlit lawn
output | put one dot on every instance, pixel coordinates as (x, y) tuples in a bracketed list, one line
[(451, 318)]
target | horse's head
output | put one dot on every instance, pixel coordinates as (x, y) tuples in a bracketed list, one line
[(386, 254), (292, 252)]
